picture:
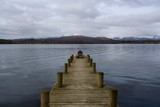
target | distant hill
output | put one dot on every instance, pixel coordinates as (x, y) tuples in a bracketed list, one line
[(68, 40), (80, 39), (136, 38), (3, 41)]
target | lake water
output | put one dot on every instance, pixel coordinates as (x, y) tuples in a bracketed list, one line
[(25, 70)]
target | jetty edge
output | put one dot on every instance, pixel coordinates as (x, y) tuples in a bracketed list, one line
[(79, 85)]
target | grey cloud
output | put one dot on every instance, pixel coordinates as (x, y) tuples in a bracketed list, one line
[(78, 9), (132, 20), (132, 3), (37, 18), (141, 2), (78, 12)]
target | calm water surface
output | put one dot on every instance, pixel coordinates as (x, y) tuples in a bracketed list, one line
[(25, 70)]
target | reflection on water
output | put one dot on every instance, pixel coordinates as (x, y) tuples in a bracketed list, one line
[(27, 69)]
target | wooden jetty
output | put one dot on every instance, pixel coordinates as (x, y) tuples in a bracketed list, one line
[(80, 85)]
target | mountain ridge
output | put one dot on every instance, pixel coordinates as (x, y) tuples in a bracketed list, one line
[(67, 40), (80, 39)]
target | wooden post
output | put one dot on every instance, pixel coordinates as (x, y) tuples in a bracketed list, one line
[(72, 56), (100, 79), (88, 59), (69, 63), (59, 79), (113, 93), (65, 68), (70, 59), (45, 98), (94, 67), (91, 62)]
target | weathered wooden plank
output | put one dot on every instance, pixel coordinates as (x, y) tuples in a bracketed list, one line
[(81, 86), (80, 105)]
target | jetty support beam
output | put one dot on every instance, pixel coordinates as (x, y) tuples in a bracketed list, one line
[(45, 98), (91, 62), (114, 93), (100, 79), (94, 67), (88, 58), (59, 79), (69, 62), (65, 68)]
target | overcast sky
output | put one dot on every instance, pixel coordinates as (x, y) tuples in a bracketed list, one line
[(55, 18)]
